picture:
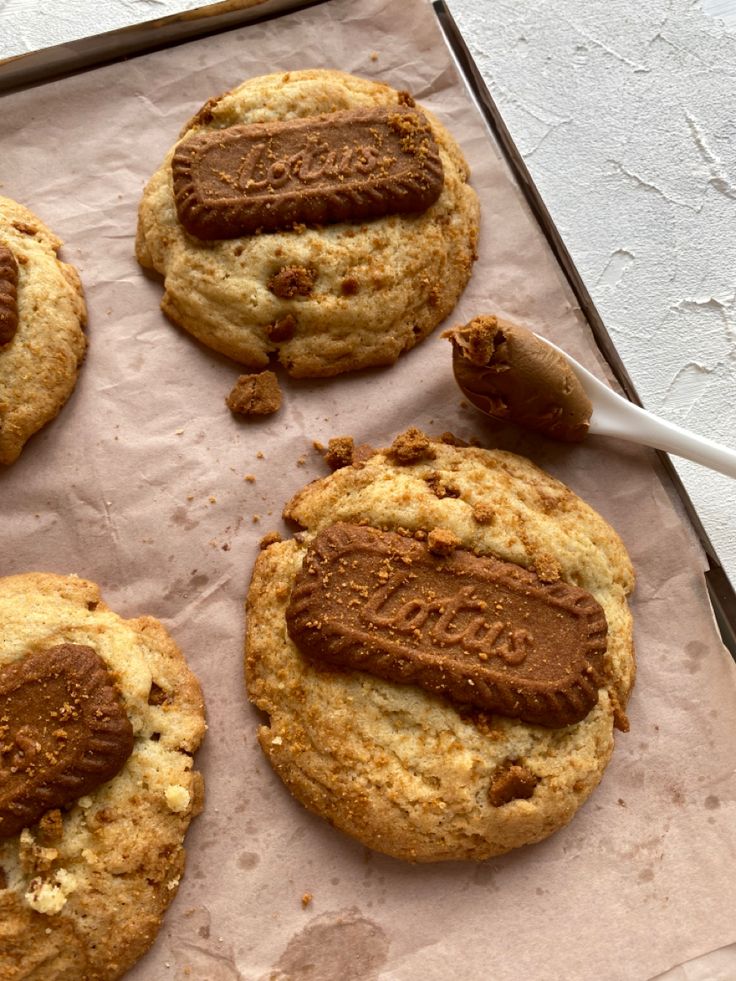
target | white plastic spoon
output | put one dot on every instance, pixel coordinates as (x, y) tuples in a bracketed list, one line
[(616, 416)]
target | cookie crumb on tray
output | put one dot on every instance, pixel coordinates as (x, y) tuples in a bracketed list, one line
[(255, 395), (339, 452)]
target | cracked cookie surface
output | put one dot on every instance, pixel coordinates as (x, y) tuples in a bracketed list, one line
[(355, 294), (405, 771)]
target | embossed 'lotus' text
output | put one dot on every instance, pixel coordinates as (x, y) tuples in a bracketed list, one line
[(390, 609), (258, 173)]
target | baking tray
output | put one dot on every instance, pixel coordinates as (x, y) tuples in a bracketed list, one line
[(166, 34)]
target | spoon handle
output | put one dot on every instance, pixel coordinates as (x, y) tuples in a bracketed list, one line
[(615, 416)]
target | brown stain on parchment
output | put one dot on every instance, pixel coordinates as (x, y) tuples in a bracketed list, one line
[(344, 946), (248, 860), (197, 954), (695, 651)]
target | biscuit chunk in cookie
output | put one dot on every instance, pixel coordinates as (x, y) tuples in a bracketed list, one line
[(430, 689), (42, 316), (100, 719), (314, 217)]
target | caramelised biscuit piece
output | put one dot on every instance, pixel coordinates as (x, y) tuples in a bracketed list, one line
[(481, 631), (385, 569), (255, 395), (42, 315), (8, 295), (314, 216), (342, 166), (63, 732), (99, 719)]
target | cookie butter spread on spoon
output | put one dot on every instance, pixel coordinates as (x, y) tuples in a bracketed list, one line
[(506, 371)]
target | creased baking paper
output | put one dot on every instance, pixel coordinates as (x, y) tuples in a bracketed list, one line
[(146, 484)]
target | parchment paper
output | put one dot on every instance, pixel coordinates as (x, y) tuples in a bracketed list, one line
[(139, 485)]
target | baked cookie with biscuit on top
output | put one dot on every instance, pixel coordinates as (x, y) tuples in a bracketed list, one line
[(312, 217), (99, 721), (42, 316), (443, 649)]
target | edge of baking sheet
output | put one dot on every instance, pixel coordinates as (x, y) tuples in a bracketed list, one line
[(720, 588), (59, 60)]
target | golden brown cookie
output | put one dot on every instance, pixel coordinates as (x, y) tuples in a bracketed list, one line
[(409, 771), (323, 298), (86, 694), (42, 315)]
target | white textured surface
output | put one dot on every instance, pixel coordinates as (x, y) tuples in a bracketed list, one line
[(624, 113), (27, 25)]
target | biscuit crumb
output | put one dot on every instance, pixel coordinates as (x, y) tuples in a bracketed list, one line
[(50, 827), (177, 797), (339, 452), (405, 99), (411, 446), (440, 541), (255, 395), (270, 538), (511, 782), (249, 478), (620, 719), (439, 486), (292, 281), (483, 513), (547, 568), (306, 899), (259, 456), (374, 56), (282, 330)]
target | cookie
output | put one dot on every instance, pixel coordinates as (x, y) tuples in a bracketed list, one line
[(351, 225), (432, 571), (100, 719), (42, 315)]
